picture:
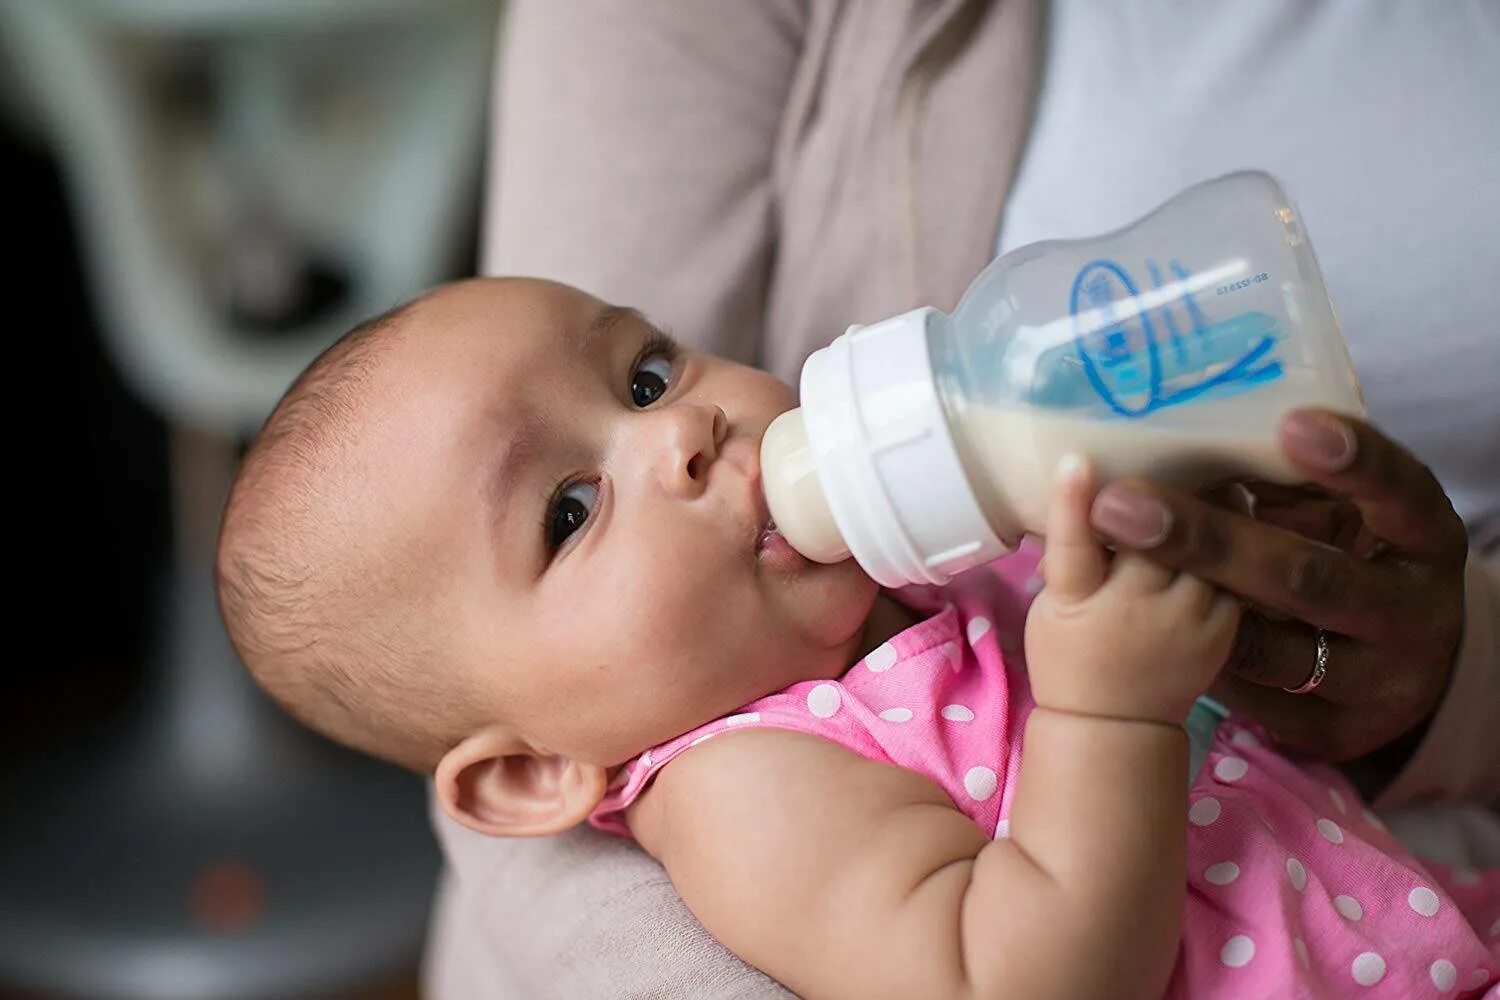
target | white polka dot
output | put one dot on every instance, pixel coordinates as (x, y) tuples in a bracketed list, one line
[(955, 658), (703, 739), (977, 628), (1444, 974), (881, 658), (1338, 801), (980, 782), (1009, 643), (1034, 585), (1478, 978), (1237, 951), (1002, 829), (896, 715), (1231, 768), (646, 759), (1204, 811), (1465, 876), (958, 713), (823, 700), (1423, 900), (1348, 907), (1244, 738), (743, 719), (1372, 819), (1222, 873), (1495, 928), (1367, 968), (1330, 831), (1300, 947), (1297, 873)]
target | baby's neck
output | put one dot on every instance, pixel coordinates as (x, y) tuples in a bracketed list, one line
[(887, 617)]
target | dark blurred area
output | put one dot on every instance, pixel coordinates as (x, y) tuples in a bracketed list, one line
[(207, 194), (94, 489)]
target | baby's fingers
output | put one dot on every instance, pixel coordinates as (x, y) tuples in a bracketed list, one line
[(1075, 561)]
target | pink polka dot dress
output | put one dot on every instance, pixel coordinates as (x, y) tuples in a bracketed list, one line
[(1295, 889)]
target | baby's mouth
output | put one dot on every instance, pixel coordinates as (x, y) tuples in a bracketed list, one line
[(773, 550), (771, 547)]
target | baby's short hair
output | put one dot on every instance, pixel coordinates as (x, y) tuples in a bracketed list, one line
[(331, 643)]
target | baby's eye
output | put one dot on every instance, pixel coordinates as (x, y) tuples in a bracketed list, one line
[(568, 512), (651, 378)]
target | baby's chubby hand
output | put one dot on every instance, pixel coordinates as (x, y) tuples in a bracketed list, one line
[(1119, 636)]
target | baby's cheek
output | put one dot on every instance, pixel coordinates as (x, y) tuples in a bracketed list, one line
[(835, 603)]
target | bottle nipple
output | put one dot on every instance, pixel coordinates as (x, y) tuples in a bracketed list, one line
[(794, 494)]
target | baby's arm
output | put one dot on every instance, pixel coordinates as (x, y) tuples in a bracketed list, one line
[(845, 877)]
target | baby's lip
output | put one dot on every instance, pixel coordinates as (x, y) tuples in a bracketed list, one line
[(740, 458), (759, 529), (761, 523), (769, 543), (760, 513)]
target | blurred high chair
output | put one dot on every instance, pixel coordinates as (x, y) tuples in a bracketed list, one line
[(250, 178)]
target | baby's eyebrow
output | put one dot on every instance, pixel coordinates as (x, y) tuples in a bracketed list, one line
[(523, 444), (603, 322), (526, 439), (511, 460)]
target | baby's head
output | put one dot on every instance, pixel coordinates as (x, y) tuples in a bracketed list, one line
[(511, 535)]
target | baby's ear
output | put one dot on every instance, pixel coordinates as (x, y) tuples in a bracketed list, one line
[(495, 783)]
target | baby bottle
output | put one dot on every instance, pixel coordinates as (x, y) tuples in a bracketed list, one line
[(1170, 349)]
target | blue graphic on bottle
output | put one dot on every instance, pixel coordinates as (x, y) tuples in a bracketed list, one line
[(1138, 358)]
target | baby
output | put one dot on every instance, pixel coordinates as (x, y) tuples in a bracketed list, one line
[(514, 537)]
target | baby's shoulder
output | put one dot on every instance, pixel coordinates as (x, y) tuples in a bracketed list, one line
[(767, 783), (774, 838)]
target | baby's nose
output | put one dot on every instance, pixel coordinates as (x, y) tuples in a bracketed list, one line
[(689, 438)]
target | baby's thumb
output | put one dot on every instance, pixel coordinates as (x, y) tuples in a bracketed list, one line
[(1075, 562)]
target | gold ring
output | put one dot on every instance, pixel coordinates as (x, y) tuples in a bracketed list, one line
[(1320, 667)]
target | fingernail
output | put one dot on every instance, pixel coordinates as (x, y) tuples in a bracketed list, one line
[(1071, 467), (1319, 440), (1136, 519)]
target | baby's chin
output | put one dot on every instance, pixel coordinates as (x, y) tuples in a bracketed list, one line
[(841, 599)]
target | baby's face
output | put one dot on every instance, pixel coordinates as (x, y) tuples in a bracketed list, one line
[(581, 504)]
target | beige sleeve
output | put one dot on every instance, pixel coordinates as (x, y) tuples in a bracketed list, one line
[(1459, 757), (632, 156), (578, 915)]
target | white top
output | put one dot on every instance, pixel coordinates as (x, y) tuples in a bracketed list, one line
[(1383, 122)]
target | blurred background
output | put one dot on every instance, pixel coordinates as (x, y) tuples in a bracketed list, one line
[(208, 193)]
